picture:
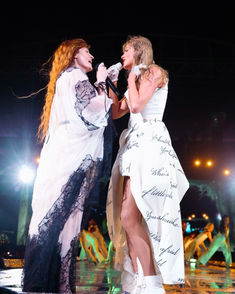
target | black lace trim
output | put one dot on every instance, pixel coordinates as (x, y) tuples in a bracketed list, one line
[(68, 268), (84, 93), (42, 258), (98, 195), (37, 268), (44, 271)]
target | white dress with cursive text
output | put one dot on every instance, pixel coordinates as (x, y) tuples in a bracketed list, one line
[(158, 184)]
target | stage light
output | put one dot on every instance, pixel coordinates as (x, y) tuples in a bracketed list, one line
[(37, 159), (197, 162), (205, 216), (26, 174), (226, 172), (209, 163)]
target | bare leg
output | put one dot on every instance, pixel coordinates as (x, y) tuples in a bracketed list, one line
[(132, 254), (137, 237)]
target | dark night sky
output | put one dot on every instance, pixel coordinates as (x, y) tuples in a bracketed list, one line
[(196, 44)]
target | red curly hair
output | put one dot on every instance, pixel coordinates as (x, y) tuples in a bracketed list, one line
[(62, 58)]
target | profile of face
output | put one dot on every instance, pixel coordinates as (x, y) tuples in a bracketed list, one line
[(83, 59), (128, 57)]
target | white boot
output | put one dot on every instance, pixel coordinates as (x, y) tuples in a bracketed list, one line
[(152, 285), (138, 279), (128, 281)]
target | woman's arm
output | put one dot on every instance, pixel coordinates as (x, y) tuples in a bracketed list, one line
[(138, 98), (119, 108)]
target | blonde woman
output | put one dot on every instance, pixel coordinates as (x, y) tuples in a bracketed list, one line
[(198, 242), (73, 123), (147, 181)]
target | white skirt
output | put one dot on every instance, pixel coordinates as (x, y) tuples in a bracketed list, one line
[(158, 184)]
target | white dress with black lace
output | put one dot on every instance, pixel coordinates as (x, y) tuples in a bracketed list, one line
[(71, 164), (158, 184)]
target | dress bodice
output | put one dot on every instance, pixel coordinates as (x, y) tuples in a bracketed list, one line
[(156, 105)]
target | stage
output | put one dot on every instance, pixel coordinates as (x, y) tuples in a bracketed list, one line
[(103, 278)]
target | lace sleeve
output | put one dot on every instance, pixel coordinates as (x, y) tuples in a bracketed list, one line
[(91, 107)]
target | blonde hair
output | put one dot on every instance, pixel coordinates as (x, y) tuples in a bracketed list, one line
[(62, 58), (144, 55), (164, 77), (143, 49)]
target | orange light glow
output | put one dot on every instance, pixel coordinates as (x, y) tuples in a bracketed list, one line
[(37, 160), (209, 163), (226, 172), (197, 162)]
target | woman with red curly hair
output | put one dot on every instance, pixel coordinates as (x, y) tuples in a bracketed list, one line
[(74, 130)]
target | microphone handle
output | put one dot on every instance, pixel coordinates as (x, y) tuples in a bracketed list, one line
[(108, 81), (112, 86)]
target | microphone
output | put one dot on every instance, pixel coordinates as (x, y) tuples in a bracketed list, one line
[(117, 66), (108, 81)]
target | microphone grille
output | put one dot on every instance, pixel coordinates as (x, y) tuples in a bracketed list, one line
[(118, 66)]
